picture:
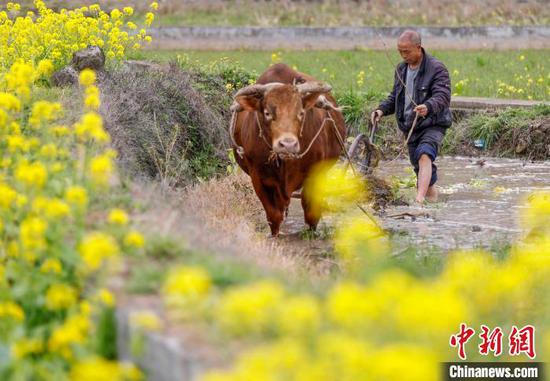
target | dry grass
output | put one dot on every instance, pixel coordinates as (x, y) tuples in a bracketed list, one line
[(162, 126), (224, 217)]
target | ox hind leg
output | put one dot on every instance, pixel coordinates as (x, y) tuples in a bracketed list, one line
[(274, 210)]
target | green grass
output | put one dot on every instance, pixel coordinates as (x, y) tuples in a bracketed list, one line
[(507, 124), (521, 74), (330, 12), (349, 12)]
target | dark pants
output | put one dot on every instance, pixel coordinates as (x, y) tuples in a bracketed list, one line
[(426, 142)]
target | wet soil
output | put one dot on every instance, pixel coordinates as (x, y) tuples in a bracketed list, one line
[(480, 204)]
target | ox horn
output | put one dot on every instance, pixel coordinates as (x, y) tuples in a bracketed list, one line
[(257, 89), (313, 87)]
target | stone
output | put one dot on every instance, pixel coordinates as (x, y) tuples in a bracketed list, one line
[(68, 76), (90, 58)]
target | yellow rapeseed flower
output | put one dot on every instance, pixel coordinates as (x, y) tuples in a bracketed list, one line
[(60, 296), (105, 297), (92, 100), (101, 169), (187, 281), (9, 102), (31, 175), (26, 346), (145, 320), (74, 330), (95, 248), (11, 310), (360, 239), (87, 77), (249, 309), (51, 265), (99, 369), (32, 233), (77, 195), (118, 217), (45, 68), (44, 111), (332, 187), (299, 315), (7, 196), (134, 239), (149, 17)]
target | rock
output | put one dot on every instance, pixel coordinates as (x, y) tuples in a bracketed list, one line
[(67, 76), (90, 58)]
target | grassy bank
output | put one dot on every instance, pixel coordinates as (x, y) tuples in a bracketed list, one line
[(521, 74)]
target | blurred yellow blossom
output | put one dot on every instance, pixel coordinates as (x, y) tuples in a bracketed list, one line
[(97, 247), (134, 239), (60, 296), (118, 217), (145, 320)]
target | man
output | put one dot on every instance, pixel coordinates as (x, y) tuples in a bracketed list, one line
[(421, 87)]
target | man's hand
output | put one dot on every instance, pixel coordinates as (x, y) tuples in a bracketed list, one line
[(375, 116), (421, 110)]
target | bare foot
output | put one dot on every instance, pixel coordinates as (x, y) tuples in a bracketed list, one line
[(432, 194), (419, 200)]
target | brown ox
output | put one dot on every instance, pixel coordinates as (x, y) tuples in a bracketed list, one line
[(276, 121)]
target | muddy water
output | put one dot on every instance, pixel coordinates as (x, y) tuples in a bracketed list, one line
[(480, 204)]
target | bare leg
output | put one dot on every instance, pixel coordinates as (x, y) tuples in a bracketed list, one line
[(424, 177)]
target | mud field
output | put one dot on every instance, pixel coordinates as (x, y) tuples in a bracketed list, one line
[(480, 205)]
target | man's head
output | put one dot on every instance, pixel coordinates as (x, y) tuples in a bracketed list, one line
[(409, 46)]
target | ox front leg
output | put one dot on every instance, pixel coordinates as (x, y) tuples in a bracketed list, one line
[(311, 215), (273, 211)]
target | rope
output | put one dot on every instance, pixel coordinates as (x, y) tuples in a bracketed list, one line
[(238, 148), (406, 140), (350, 163), (260, 131), (274, 156)]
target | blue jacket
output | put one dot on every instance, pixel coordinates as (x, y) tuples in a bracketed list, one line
[(432, 87)]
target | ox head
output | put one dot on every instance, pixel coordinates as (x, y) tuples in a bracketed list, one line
[(282, 109)]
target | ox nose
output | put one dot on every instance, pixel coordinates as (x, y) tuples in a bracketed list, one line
[(288, 144)]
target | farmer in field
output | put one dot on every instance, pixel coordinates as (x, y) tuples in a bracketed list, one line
[(420, 100)]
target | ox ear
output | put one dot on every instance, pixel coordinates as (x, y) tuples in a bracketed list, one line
[(310, 100), (250, 97), (311, 91), (249, 102)]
